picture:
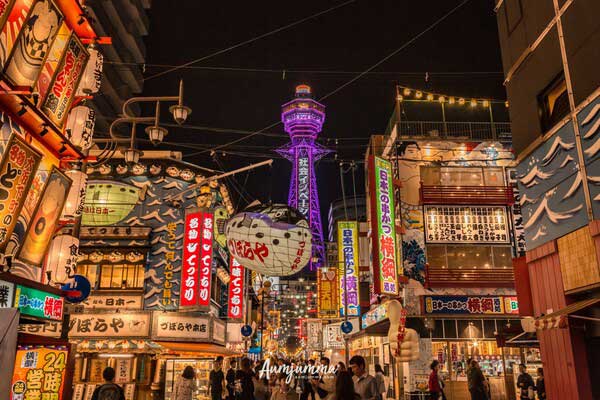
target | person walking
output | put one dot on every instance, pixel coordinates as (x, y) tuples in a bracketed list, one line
[(185, 385), (344, 387), (216, 380), (324, 385), (108, 390), (261, 386), (230, 380), (244, 383), (436, 385), (476, 381), (364, 384), (540, 385), (525, 384), (305, 384), (380, 381)]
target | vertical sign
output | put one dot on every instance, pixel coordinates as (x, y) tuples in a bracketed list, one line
[(12, 15), (17, 168), (235, 304), (385, 275), (39, 373), (327, 290), (206, 259), (348, 267), (191, 263), (303, 182)]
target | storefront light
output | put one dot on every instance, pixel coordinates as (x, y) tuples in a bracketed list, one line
[(156, 133), (132, 155)]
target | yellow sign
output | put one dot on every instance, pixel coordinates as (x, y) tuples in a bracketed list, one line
[(39, 373)]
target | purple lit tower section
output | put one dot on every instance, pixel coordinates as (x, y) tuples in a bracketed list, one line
[(303, 119)]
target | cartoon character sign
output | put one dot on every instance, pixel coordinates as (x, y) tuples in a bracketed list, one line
[(273, 240), (404, 343)]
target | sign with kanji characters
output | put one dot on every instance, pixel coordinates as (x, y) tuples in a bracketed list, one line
[(48, 329), (7, 294), (205, 264), (470, 305), (466, 224), (37, 303), (17, 170), (383, 225), (114, 301), (327, 293), (110, 325), (303, 181), (181, 327), (333, 338), (314, 334), (190, 269), (39, 373), (235, 300), (348, 267)]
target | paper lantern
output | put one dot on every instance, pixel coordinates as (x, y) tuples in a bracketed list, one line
[(272, 240), (80, 126), (62, 258), (92, 75), (74, 204), (404, 343)]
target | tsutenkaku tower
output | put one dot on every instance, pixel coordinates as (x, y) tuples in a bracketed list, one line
[(303, 119)]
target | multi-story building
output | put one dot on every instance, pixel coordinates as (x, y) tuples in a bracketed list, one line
[(549, 48), (351, 209)]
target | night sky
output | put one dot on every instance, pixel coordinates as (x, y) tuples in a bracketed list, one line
[(243, 89)]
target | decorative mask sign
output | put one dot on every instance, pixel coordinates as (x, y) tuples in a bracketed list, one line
[(404, 342), (235, 305), (206, 253), (348, 268), (271, 240), (385, 274), (191, 262)]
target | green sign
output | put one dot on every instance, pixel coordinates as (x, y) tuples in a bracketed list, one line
[(39, 304)]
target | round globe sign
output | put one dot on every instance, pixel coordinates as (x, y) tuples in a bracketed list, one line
[(77, 288), (246, 330), (346, 327)]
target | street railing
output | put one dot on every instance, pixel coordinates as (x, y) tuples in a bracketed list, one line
[(477, 131)]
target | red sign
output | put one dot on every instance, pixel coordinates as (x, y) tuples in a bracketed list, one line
[(235, 303), (205, 259), (191, 264)]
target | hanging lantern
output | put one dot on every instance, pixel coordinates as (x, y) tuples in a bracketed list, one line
[(62, 258), (273, 240), (74, 204), (92, 75), (80, 126)]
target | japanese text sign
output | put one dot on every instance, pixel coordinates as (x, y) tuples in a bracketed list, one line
[(39, 373), (116, 301), (464, 224), (39, 304), (303, 181), (181, 327), (470, 305), (206, 251), (327, 290), (110, 324), (348, 267), (235, 302), (7, 294), (190, 269)]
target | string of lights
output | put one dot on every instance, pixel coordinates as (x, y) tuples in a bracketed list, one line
[(407, 93)]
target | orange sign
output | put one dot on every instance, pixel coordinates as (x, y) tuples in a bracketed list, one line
[(328, 295), (39, 373)]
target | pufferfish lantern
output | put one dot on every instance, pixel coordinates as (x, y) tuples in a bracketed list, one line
[(272, 240), (404, 343)]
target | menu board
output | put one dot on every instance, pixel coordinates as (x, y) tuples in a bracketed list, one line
[(466, 224)]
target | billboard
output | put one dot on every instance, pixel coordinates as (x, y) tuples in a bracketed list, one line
[(54, 55), (191, 252), (466, 224), (348, 267), (235, 301), (12, 16), (470, 305), (39, 304), (39, 373), (327, 290)]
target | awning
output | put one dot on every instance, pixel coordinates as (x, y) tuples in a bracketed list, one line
[(117, 346), (196, 349), (558, 319)]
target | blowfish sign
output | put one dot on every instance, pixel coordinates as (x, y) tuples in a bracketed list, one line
[(197, 260), (235, 305), (385, 275), (348, 256)]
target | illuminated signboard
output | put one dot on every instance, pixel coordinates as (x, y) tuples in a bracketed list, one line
[(108, 202), (206, 250), (191, 263), (7, 294), (13, 14), (235, 305), (303, 181), (52, 60), (374, 316), (471, 305), (39, 373), (327, 290), (39, 304), (466, 224), (348, 267), (385, 274)]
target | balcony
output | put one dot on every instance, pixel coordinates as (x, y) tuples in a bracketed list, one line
[(462, 195), (467, 131)]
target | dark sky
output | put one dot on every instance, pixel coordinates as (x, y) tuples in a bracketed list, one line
[(461, 55)]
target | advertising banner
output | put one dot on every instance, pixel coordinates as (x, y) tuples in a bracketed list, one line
[(303, 181), (385, 274), (17, 169), (314, 334), (181, 327), (327, 291), (39, 304), (348, 267), (39, 373), (45, 217), (374, 316), (116, 301), (54, 55), (13, 14), (235, 302), (470, 305), (206, 251), (62, 90), (110, 325), (190, 269)]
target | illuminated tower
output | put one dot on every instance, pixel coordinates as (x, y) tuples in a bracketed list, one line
[(303, 119)]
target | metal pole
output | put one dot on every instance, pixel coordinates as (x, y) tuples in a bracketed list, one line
[(444, 119), (262, 322)]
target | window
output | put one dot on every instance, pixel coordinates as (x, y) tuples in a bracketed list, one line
[(113, 276), (553, 103), (462, 176), (469, 256)]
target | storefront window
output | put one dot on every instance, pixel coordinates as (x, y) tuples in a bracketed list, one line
[(113, 276), (462, 176), (463, 257)]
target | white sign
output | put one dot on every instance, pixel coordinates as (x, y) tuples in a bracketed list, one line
[(180, 327), (333, 338), (314, 334), (116, 301), (110, 325), (218, 333), (122, 369), (466, 224), (7, 294)]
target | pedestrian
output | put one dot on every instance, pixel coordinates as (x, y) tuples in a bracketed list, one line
[(476, 381), (324, 385), (341, 367), (185, 385), (261, 386), (305, 384), (364, 384), (230, 380), (380, 381), (108, 390), (216, 380), (244, 383), (525, 384), (540, 385), (282, 388), (436, 385), (344, 387)]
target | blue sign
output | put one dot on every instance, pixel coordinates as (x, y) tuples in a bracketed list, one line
[(78, 289), (347, 327), (246, 330)]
